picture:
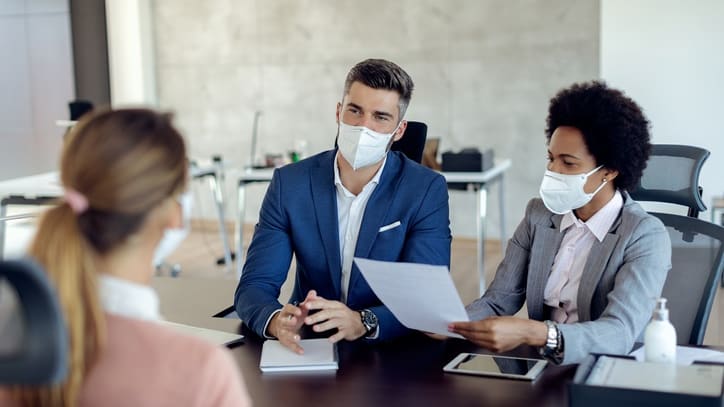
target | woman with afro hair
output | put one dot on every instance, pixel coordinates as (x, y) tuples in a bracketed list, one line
[(586, 259)]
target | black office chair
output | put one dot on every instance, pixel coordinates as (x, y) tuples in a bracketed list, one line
[(412, 143), (33, 336), (672, 176), (78, 108)]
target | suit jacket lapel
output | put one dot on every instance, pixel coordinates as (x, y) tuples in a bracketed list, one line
[(325, 205), (377, 207), (375, 211), (593, 270), (546, 242)]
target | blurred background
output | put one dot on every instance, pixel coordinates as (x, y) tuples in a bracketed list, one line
[(484, 72)]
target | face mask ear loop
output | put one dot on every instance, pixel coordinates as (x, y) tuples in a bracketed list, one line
[(593, 171), (605, 181)]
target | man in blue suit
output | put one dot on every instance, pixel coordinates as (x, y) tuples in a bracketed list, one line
[(358, 200)]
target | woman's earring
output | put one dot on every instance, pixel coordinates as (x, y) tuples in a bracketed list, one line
[(605, 180)]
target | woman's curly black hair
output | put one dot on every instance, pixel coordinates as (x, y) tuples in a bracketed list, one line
[(614, 128)]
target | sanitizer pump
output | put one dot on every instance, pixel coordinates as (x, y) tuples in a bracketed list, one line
[(660, 336)]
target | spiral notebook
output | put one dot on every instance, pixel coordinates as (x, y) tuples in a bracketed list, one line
[(319, 355)]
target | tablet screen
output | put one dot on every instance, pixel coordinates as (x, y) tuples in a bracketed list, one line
[(495, 364)]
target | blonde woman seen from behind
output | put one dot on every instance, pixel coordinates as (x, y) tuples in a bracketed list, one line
[(125, 177)]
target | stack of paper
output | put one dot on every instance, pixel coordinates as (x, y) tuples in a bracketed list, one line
[(319, 354), (686, 355), (704, 380)]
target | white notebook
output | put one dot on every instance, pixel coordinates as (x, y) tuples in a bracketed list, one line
[(319, 354)]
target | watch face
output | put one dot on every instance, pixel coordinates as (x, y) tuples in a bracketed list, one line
[(369, 319)]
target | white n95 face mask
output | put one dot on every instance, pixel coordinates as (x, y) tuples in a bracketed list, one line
[(562, 193), (172, 238), (362, 147)]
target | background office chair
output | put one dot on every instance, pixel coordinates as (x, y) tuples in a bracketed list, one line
[(672, 176), (412, 143), (33, 336), (696, 264)]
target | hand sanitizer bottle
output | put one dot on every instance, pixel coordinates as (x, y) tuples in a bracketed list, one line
[(660, 336)]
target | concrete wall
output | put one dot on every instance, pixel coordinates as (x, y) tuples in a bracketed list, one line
[(36, 83), (673, 65), (484, 72)]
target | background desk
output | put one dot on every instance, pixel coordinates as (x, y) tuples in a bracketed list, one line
[(41, 189), (402, 373), (479, 181)]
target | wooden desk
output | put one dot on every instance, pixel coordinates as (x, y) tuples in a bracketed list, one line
[(479, 180), (406, 372)]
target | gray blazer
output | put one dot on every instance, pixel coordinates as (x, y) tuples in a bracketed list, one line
[(622, 276)]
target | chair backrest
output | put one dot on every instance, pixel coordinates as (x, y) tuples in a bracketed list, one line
[(696, 264), (412, 143), (78, 108), (672, 176), (33, 336)]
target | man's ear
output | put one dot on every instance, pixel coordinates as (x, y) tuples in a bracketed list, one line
[(339, 111), (400, 131)]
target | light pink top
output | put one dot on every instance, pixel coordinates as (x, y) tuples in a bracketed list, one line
[(561, 291), (146, 364)]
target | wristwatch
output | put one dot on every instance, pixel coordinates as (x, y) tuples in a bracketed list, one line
[(369, 320), (553, 349)]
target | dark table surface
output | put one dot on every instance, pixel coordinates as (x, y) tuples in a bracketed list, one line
[(406, 372)]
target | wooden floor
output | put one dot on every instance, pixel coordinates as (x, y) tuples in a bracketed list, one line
[(198, 253)]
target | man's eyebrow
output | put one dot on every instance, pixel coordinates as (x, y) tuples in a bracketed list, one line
[(383, 113)]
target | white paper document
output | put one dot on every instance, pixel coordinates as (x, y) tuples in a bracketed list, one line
[(211, 335), (686, 355), (421, 296), (703, 380), (319, 354)]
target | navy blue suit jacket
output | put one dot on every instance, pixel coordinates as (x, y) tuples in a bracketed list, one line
[(299, 217)]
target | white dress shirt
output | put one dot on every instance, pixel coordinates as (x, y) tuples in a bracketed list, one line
[(561, 291), (128, 299), (350, 210)]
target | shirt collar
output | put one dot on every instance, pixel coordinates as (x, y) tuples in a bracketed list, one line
[(601, 221), (128, 299), (338, 181)]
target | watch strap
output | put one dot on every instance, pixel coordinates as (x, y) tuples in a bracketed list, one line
[(553, 349)]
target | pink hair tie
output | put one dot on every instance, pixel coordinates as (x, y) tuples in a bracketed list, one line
[(77, 202)]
